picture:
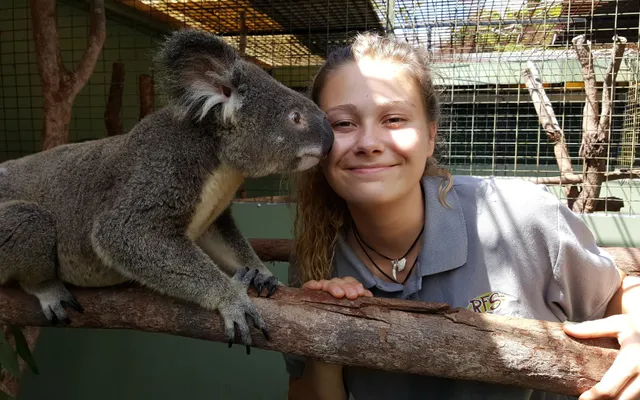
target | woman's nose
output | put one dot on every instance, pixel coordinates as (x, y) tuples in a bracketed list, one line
[(370, 140)]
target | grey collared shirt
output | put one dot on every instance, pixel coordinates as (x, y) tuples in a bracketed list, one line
[(505, 247)]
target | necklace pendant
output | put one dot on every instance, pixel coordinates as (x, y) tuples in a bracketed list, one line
[(399, 264), (394, 271)]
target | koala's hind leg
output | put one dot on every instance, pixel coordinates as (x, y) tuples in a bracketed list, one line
[(28, 255)]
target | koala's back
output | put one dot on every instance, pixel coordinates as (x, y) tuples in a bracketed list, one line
[(158, 161), (74, 182)]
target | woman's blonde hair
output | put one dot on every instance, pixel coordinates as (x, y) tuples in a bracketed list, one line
[(320, 212)]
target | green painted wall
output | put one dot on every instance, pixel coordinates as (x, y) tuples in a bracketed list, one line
[(20, 92)]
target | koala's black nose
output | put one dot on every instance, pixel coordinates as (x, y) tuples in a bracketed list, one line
[(328, 136)]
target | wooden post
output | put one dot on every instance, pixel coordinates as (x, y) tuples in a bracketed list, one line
[(112, 118), (146, 91)]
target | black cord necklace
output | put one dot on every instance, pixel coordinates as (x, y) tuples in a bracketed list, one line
[(397, 264)]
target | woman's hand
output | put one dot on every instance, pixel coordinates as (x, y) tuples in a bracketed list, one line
[(622, 380), (339, 287)]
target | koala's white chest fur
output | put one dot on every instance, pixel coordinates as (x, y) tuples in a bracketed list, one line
[(217, 192)]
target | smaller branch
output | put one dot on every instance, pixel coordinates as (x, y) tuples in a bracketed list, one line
[(590, 115), (608, 85), (611, 203), (97, 33), (573, 179), (547, 118), (113, 109), (542, 104)]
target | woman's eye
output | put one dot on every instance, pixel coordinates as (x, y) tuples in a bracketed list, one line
[(342, 124), (395, 121)]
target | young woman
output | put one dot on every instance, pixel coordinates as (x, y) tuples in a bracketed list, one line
[(380, 218)]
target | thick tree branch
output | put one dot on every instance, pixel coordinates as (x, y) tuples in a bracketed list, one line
[(399, 335), (596, 129)]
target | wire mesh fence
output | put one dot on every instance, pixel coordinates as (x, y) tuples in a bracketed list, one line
[(479, 50)]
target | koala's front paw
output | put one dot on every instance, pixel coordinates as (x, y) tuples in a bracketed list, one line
[(238, 310), (54, 299), (258, 279)]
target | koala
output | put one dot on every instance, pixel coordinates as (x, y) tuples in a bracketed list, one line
[(152, 206)]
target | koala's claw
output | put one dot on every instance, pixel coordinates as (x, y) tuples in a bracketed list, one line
[(248, 347), (238, 312), (73, 303), (257, 279), (55, 310), (246, 275), (56, 320)]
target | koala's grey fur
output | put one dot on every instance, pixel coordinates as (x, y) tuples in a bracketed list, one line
[(153, 205)]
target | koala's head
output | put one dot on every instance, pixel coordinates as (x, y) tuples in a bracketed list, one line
[(263, 126)]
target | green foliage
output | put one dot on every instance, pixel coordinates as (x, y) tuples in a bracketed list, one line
[(9, 356), (512, 30), (22, 348)]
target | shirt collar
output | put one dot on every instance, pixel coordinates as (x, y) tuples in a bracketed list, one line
[(444, 245), (445, 241)]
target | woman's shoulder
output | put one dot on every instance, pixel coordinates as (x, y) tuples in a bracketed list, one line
[(512, 198), (512, 190)]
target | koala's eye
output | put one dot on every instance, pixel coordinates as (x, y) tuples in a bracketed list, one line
[(295, 117)]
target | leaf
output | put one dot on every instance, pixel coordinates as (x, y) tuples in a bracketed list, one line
[(4, 396), (22, 347), (9, 358)]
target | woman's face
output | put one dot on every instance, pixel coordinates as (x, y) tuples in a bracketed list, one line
[(382, 139)]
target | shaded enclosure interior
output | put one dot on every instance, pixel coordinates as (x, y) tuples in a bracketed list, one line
[(478, 49)]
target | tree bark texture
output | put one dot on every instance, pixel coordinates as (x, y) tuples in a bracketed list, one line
[(595, 127), (146, 92), (59, 85), (112, 114), (388, 334), (242, 47), (269, 250), (547, 118)]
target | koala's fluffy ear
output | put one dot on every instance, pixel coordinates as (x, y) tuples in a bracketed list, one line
[(196, 70)]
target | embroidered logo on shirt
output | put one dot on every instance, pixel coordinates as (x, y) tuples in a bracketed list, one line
[(487, 302)]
